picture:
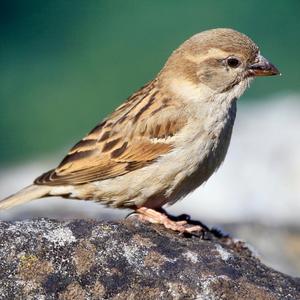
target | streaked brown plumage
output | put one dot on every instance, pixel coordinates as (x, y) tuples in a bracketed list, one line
[(167, 138), (111, 149)]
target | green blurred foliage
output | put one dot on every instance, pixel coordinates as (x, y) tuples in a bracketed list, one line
[(65, 64)]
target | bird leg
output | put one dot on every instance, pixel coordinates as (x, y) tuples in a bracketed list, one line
[(156, 217)]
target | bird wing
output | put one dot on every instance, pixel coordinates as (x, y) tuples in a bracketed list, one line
[(134, 136)]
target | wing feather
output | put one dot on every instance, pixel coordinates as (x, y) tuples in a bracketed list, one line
[(134, 136)]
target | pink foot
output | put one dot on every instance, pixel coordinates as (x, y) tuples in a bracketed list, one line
[(153, 216)]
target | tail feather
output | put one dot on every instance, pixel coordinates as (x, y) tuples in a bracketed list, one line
[(25, 195)]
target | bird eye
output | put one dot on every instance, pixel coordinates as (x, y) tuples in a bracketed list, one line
[(233, 62)]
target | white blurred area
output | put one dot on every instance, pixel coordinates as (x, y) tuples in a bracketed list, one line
[(258, 182)]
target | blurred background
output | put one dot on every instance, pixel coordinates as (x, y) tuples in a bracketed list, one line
[(64, 65)]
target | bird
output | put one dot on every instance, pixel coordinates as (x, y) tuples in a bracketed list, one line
[(167, 138)]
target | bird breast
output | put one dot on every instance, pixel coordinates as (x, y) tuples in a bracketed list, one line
[(205, 151)]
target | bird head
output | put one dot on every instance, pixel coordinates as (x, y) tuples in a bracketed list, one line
[(217, 61)]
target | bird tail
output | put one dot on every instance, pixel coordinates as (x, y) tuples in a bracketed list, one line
[(25, 195)]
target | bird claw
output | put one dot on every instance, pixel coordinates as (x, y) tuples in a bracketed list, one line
[(153, 216)]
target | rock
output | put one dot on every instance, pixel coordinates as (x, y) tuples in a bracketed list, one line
[(81, 259)]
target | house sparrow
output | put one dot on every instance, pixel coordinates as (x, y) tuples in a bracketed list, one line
[(167, 138)]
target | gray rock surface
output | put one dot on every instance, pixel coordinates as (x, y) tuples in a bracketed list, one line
[(47, 259)]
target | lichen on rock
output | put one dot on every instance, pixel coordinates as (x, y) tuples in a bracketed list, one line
[(84, 259)]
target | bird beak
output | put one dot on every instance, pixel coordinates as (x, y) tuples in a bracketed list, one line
[(263, 67)]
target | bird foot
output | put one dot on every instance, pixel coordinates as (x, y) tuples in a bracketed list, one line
[(156, 217)]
